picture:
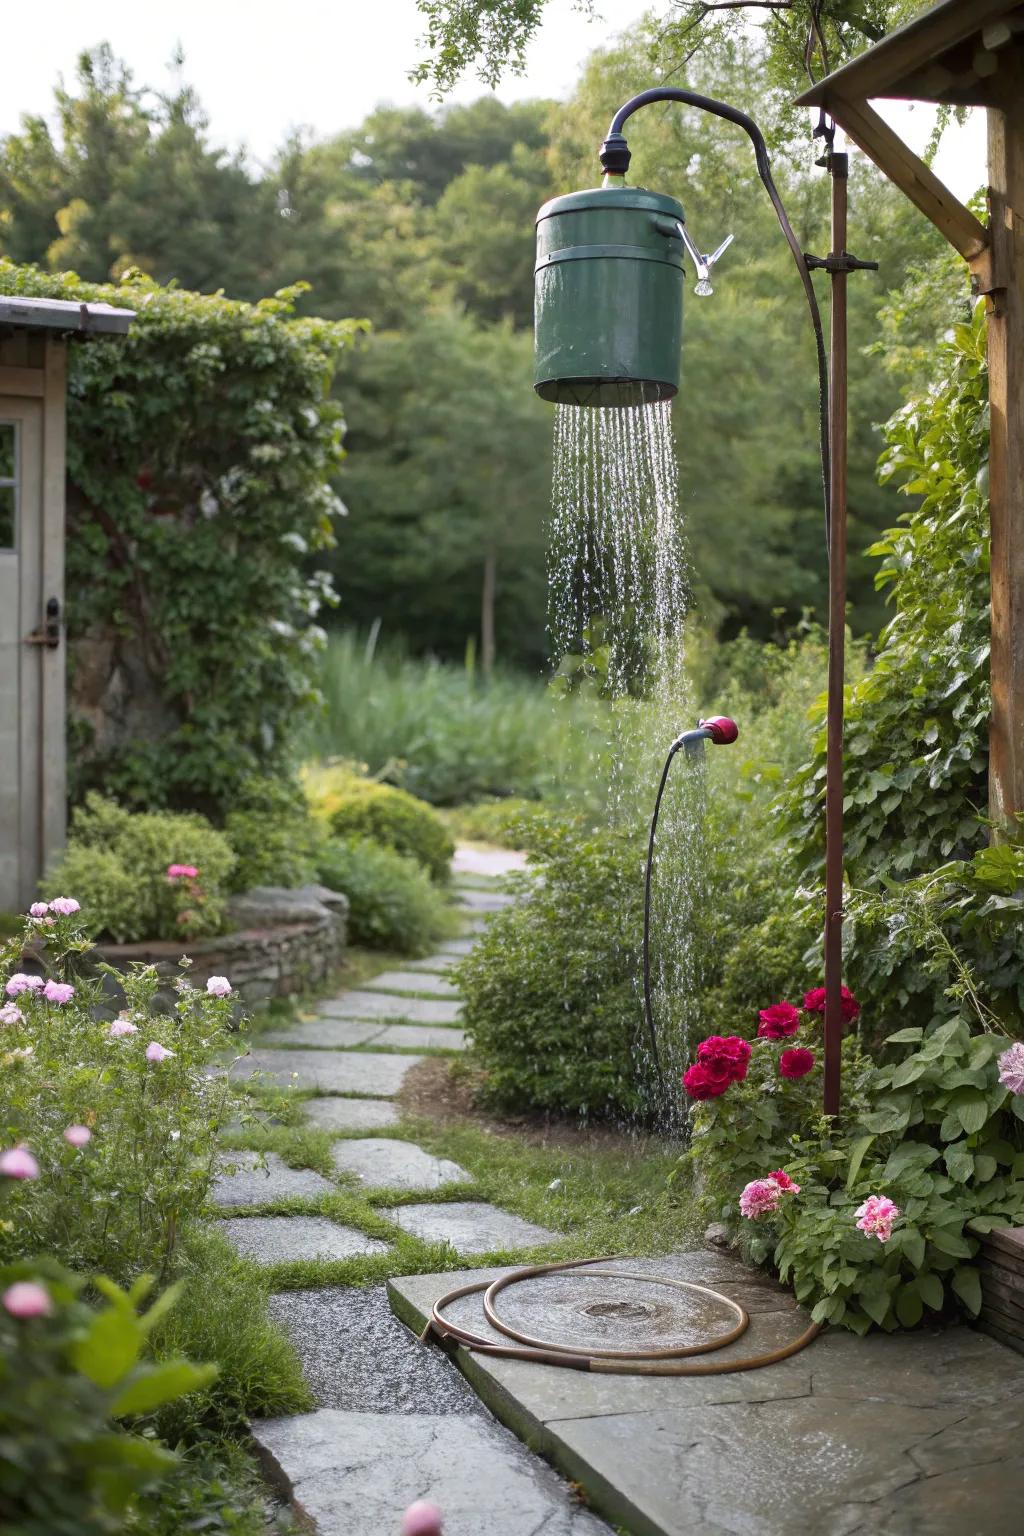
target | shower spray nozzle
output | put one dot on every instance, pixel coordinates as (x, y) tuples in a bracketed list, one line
[(718, 729)]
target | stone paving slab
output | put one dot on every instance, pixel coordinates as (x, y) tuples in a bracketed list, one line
[(382, 1163), (356, 1354), (894, 1435), (382, 1006), (434, 965), (470, 1226), (485, 901), (353, 1474), (457, 948), (412, 981), (364, 1072), (485, 860), (342, 1034), (332, 1114), (253, 1185), (421, 1037), (284, 1239)]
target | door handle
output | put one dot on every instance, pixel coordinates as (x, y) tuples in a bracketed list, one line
[(49, 632)]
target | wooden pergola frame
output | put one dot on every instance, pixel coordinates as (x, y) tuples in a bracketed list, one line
[(969, 53)]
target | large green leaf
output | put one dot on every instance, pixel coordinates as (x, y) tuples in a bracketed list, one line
[(110, 1348), (952, 1243), (967, 1285), (931, 1291), (157, 1384), (857, 1152), (959, 1162), (970, 1106)]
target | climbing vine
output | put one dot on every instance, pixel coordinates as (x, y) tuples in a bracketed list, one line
[(200, 451)]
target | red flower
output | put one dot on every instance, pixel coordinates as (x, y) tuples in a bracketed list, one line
[(700, 1084), (785, 1183), (724, 1056), (796, 1063), (778, 1022), (814, 1002)]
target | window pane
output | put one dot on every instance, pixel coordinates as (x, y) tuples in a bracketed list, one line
[(7, 506), (7, 430)]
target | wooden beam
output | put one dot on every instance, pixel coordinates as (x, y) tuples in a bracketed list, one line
[(27, 383), (1006, 455), (924, 189)]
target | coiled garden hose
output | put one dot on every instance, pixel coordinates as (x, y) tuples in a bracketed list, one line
[(677, 1360)]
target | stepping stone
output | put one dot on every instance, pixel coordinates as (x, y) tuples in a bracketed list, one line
[(252, 1185), (457, 949), (362, 1072), (470, 1226), (421, 1037), (433, 965), (356, 1354), (412, 981), (351, 1114), (286, 1239), (352, 1473), (485, 901), (381, 1163), (343, 1033), (378, 1005), (487, 861)]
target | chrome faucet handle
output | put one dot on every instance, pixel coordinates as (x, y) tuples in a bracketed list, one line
[(702, 264)]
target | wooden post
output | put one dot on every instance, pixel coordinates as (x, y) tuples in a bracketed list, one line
[(1006, 453), (837, 428)]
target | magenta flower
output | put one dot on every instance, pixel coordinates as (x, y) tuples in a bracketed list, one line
[(422, 1519), (759, 1197), (18, 1163), (122, 1027), (20, 983), (157, 1052), (785, 1183), (814, 1002), (65, 905), (218, 986), (1011, 1067), (778, 1022), (876, 1216), (182, 872), (796, 1063), (58, 992), (26, 1299), (10, 1013), (77, 1135), (38, 909)]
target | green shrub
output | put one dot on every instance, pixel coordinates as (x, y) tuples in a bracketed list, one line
[(393, 904), (550, 988), (117, 862), (272, 834), (359, 808), (118, 1201), (504, 822), (67, 1376)]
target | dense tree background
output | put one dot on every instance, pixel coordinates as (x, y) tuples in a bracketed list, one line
[(423, 223)]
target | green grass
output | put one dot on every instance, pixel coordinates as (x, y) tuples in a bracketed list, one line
[(444, 733)]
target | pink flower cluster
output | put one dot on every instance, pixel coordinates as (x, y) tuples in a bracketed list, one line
[(53, 991), (64, 906), (876, 1216), (1011, 1068), (182, 872), (762, 1196)]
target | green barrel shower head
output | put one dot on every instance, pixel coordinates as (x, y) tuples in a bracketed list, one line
[(608, 312)]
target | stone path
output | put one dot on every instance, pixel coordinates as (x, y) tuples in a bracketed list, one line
[(395, 1420)]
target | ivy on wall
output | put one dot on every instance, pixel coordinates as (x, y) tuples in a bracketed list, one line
[(200, 452)]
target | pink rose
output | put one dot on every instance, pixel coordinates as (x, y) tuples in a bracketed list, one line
[(18, 1163), (25, 1300), (157, 1052), (122, 1027), (58, 992), (11, 1014), (422, 1519), (218, 986), (1011, 1067), (785, 1183), (759, 1197), (814, 1002), (876, 1216), (77, 1135), (700, 1085), (796, 1063), (65, 905), (38, 909), (778, 1022)]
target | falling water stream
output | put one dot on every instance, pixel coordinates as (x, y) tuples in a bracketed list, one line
[(619, 599)]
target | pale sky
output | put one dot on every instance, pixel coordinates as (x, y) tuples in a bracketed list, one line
[(262, 69)]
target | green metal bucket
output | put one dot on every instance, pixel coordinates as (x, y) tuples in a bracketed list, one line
[(608, 306)]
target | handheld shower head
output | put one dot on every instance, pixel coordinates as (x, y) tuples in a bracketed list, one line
[(718, 729)]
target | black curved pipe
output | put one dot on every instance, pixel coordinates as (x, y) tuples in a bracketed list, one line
[(615, 157)]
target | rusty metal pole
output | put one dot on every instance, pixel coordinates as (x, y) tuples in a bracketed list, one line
[(838, 165)]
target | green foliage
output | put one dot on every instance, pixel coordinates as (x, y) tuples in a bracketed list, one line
[(550, 988), (360, 809), (393, 903), (272, 835), (445, 734), (117, 864), (199, 452), (67, 1469), (121, 1200), (506, 823)]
